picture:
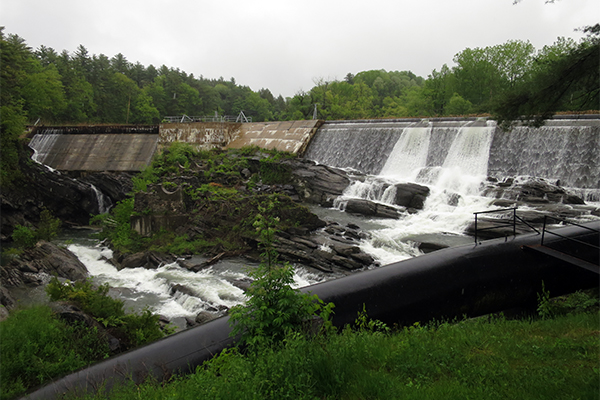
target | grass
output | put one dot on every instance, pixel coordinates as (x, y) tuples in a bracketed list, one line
[(485, 358)]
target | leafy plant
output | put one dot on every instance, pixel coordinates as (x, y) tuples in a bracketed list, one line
[(36, 347), (136, 329), (24, 237), (274, 309), (49, 226)]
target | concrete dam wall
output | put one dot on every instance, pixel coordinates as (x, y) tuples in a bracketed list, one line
[(131, 148)]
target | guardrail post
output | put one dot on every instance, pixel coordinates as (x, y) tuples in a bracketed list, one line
[(514, 222), (475, 229), (544, 229)]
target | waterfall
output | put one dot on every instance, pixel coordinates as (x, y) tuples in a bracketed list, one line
[(363, 146), (104, 203), (409, 154), (42, 145), (564, 150)]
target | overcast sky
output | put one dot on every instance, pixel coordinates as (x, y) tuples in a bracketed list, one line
[(286, 45)]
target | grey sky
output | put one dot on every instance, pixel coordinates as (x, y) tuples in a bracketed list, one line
[(286, 45)]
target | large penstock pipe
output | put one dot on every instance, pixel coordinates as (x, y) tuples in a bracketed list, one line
[(461, 281)]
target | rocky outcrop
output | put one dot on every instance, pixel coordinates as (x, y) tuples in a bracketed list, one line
[(530, 190), (115, 186), (146, 259), (372, 209), (317, 184), (70, 200), (45, 258), (333, 249)]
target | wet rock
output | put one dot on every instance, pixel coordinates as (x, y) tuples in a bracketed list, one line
[(371, 208), (46, 258), (411, 195), (531, 191), (317, 184), (148, 259), (204, 317)]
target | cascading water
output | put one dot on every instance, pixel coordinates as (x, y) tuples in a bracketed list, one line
[(409, 154), (454, 182), (171, 290), (104, 203)]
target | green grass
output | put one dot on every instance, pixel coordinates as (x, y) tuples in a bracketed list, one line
[(35, 347), (486, 358)]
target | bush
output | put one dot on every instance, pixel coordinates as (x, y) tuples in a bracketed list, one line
[(134, 329), (274, 309), (36, 348), (24, 237), (49, 226)]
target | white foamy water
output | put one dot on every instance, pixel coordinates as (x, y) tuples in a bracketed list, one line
[(454, 190), (171, 290)]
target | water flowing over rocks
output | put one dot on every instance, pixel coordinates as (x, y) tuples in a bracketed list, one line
[(68, 199)]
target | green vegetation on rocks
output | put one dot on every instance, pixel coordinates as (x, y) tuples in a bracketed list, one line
[(213, 193)]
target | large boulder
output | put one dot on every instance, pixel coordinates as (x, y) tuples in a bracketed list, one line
[(531, 191), (51, 259), (317, 184), (372, 209), (411, 195)]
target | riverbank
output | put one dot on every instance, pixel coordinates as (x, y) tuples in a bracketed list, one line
[(491, 357)]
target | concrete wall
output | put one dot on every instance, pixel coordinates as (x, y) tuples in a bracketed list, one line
[(96, 152), (292, 136), (66, 151), (201, 135)]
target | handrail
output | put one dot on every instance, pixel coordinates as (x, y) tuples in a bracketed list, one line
[(544, 231), (501, 222), (206, 118)]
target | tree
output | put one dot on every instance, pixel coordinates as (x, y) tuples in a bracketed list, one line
[(559, 82)]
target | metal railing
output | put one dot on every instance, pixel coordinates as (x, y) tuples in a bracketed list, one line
[(564, 221), (502, 222), (206, 118)]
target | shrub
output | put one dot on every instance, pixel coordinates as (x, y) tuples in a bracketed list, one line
[(134, 329), (36, 347), (49, 226), (24, 237), (274, 309)]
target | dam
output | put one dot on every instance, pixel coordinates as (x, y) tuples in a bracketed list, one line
[(565, 150)]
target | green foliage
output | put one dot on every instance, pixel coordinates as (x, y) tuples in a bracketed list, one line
[(136, 329), (478, 359), (36, 347), (274, 310), (49, 226), (24, 237), (272, 171), (116, 226)]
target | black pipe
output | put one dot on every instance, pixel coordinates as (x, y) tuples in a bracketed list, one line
[(461, 281)]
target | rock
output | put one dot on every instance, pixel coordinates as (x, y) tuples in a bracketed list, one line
[(135, 260), (531, 191), (70, 200), (48, 258), (370, 208), (204, 316), (411, 195), (148, 259), (181, 289), (317, 184)]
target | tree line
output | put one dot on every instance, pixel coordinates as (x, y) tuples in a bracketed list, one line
[(80, 87)]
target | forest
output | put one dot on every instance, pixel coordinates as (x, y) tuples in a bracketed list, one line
[(69, 88)]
